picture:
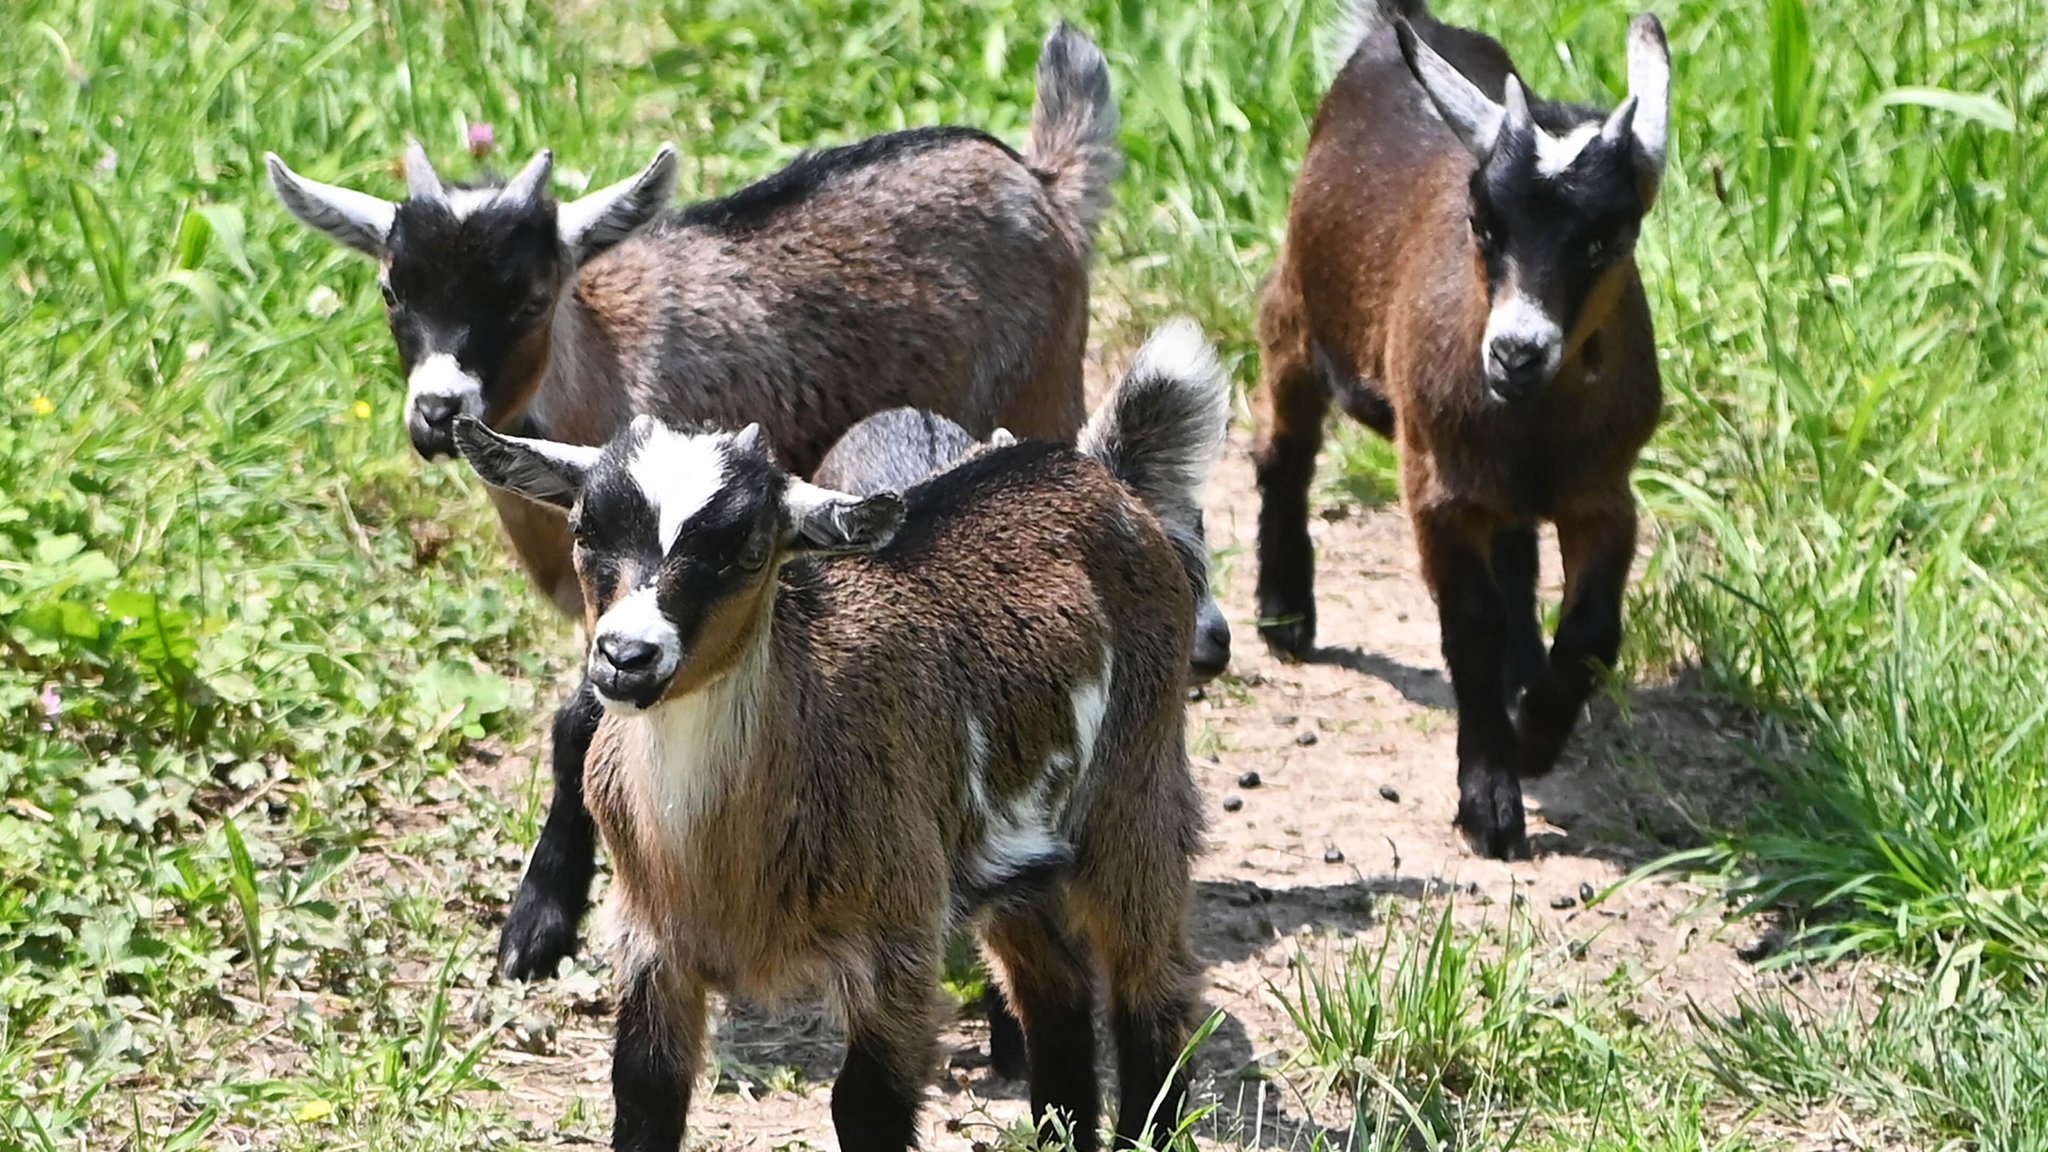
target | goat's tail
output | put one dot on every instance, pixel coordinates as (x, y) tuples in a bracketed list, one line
[(1357, 21), (1160, 430), (1073, 127)]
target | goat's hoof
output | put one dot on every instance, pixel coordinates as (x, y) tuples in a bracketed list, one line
[(1494, 826), (539, 934), (1289, 635)]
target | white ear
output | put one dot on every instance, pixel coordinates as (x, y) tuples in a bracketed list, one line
[(1001, 438), (356, 219), (532, 182), (1470, 113), (543, 471), (593, 223), (1649, 85), (421, 181)]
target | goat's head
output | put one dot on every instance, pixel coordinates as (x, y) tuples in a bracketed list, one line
[(471, 275), (678, 536), (1554, 216)]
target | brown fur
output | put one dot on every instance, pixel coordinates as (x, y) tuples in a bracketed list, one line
[(830, 845), (1380, 296)]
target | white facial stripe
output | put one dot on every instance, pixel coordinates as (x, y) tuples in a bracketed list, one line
[(638, 617), (678, 475), (1555, 154), (440, 375)]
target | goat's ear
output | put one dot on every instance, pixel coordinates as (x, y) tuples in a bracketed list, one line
[(591, 224), (1649, 87), (824, 522), (343, 215), (1471, 113), (540, 470)]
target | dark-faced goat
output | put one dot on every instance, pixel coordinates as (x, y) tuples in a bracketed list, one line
[(934, 267), (1459, 271), (890, 451), (837, 725)]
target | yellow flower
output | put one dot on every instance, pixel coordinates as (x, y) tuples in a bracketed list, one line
[(314, 1111), (361, 409), (41, 405)]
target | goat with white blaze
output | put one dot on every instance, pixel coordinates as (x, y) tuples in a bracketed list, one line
[(1459, 272), (838, 725), (934, 267)]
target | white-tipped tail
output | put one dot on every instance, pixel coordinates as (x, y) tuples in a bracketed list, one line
[(1358, 21), (1073, 127), (1160, 430)]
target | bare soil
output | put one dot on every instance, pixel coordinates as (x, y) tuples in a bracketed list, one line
[(1346, 825)]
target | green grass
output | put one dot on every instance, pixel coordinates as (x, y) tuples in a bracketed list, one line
[(238, 667)]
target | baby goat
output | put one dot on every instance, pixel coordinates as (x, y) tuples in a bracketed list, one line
[(836, 725), (1459, 270), (895, 449), (934, 267)]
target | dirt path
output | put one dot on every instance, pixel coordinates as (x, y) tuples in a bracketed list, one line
[(1348, 823)]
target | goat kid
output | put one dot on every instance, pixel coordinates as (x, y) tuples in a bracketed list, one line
[(892, 450), (836, 725), (1459, 271), (934, 267)]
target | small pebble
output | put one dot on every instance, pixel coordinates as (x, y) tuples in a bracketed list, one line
[(1390, 794), (1586, 893), (1333, 856), (1563, 902), (1305, 738), (1233, 803), (1248, 780)]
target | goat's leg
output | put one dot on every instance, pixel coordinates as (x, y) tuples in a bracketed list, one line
[(1514, 572), (1598, 548), (540, 930), (1474, 622), (655, 1051), (1006, 1051), (1291, 404), (1049, 980), (891, 1037)]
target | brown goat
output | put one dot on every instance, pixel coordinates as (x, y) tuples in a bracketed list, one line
[(837, 725), (1459, 271), (933, 267)]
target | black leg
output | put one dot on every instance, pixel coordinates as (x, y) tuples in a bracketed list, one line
[(540, 930), (1514, 573), (1597, 552), (1005, 1036), (654, 1060), (1149, 1037), (1050, 979), (1473, 619), (1291, 433), (891, 1045)]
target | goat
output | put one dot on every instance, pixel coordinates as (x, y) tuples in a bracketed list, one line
[(1459, 270), (934, 267), (895, 449), (837, 724)]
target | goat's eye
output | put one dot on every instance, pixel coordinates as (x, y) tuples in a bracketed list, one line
[(1482, 232), (1596, 252), (753, 554), (390, 294), (535, 305)]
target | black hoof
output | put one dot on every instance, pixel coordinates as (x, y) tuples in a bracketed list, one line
[(1289, 634), (539, 934), (1494, 825)]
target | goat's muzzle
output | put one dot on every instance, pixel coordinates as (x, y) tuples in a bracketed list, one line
[(430, 422), (1211, 652), (1518, 369), (629, 671)]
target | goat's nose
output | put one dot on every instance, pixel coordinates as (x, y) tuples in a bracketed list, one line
[(627, 654), (1517, 357), (436, 410)]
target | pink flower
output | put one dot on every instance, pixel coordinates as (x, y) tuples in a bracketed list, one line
[(482, 138), (52, 703)]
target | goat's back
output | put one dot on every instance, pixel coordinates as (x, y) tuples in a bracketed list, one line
[(927, 268)]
